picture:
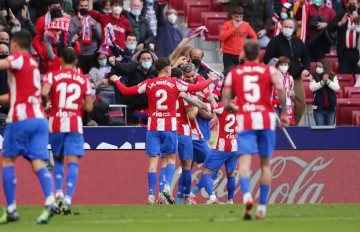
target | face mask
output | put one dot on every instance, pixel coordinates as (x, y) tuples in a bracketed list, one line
[(172, 18), (236, 23), (136, 12), (318, 3), (319, 70), (103, 62), (283, 68), (351, 8), (55, 13), (150, 1), (357, 29), (196, 62), (146, 65), (287, 32), (283, 15), (3, 56), (93, 93), (83, 11), (131, 47), (117, 10), (15, 29), (107, 11)]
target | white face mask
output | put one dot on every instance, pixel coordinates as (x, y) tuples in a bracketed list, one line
[(319, 70), (117, 10), (283, 68), (172, 18), (107, 11)]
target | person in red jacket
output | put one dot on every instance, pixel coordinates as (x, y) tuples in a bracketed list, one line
[(120, 24), (233, 36), (54, 6)]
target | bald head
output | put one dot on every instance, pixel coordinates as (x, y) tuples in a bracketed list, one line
[(4, 50), (4, 37), (196, 53)]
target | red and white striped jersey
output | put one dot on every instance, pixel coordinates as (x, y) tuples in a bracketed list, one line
[(226, 140), (252, 86), (351, 37), (24, 88), (183, 124), (205, 92), (68, 89), (195, 130)]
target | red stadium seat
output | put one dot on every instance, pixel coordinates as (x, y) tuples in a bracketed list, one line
[(344, 109), (193, 11), (332, 53), (352, 92), (345, 80), (336, 67), (332, 63), (215, 5), (339, 93), (312, 67), (356, 118), (308, 92), (178, 5), (213, 21)]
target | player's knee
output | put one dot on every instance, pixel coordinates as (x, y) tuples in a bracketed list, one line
[(244, 173), (207, 170), (7, 161), (230, 174), (186, 164), (171, 158)]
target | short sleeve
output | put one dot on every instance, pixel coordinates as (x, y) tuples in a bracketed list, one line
[(142, 87), (16, 61), (182, 86), (48, 78)]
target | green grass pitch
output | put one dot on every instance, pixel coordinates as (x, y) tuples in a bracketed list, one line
[(194, 218)]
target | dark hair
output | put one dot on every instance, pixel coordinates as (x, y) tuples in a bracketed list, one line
[(251, 50), (162, 63), (326, 67), (176, 72), (51, 2), (282, 60), (56, 13), (94, 62), (120, 2), (238, 10), (130, 34), (23, 39), (69, 55), (143, 52)]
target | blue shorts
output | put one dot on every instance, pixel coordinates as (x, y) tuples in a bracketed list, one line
[(29, 138), (185, 147), (161, 141), (204, 125), (256, 141), (201, 150), (216, 159), (63, 144)]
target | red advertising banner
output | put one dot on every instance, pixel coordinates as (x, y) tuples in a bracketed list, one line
[(120, 177)]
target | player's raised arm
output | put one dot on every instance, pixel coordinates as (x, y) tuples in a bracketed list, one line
[(275, 79), (134, 90)]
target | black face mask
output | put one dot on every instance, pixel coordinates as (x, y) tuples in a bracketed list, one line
[(3, 56), (83, 11), (196, 62), (351, 8)]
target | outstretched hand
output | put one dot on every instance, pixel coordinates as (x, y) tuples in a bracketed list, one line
[(212, 76), (114, 78)]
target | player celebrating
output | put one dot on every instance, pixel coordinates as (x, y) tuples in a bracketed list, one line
[(252, 84), (26, 132), (69, 90), (162, 93)]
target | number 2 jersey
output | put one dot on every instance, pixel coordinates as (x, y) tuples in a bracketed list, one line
[(68, 89), (251, 84), (24, 88)]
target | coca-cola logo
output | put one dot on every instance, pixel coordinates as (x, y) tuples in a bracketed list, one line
[(292, 180)]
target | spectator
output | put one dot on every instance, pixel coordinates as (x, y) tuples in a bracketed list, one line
[(339, 6), (4, 89), (4, 38), (3, 24), (16, 26), (168, 35), (233, 35), (3, 9), (258, 14), (290, 46), (283, 65), (119, 23), (346, 47), (286, 11), (140, 26), (98, 73), (33, 9), (323, 84), (318, 38), (150, 11), (105, 7), (89, 32), (196, 56), (141, 69), (54, 11)]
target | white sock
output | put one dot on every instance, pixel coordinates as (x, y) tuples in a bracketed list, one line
[(50, 200), (212, 198), (192, 195), (247, 197), (59, 194), (11, 208), (67, 200)]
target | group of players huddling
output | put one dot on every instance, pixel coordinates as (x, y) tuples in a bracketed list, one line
[(246, 126)]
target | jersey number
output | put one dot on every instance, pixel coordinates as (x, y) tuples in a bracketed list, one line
[(68, 102), (251, 85), (231, 121), (163, 94)]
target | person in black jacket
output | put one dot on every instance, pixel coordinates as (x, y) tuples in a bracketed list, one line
[(140, 26), (286, 44), (141, 69), (348, 55), (323, 85)]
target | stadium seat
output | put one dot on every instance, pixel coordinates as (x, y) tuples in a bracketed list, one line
[(356, 118), (332, 53), (336, 67), (193, 11), (261, 54), (344, 109), (308, 92), (345, 80), (178, 5), (213, 21), (332, 63), (339, 93), (215, 6), (352, 92), (312, 67)]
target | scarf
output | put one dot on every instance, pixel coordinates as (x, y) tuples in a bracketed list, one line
[(304, 18), (109, 39), (277, 22), (85, 30), (59, 24)]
